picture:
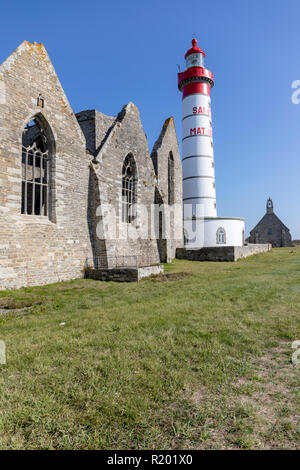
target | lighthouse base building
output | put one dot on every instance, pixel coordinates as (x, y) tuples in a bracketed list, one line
[(214, 232)]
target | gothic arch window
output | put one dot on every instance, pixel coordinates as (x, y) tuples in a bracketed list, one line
[(129, 188), (221, 236), (170, 179), (37, 169)]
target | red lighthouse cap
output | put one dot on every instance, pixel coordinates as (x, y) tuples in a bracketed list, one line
[(195, 49)]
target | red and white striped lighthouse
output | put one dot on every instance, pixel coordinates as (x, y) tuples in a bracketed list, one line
[(195, 84), (201, 224)]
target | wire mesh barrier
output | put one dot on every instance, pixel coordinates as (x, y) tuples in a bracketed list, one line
[(148, 260), (132, 261)]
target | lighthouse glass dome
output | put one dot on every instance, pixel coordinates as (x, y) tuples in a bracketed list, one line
[(195, 60)]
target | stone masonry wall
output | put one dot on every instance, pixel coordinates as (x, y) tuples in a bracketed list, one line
[(88, 151), (33, 249), (125, 136), (222, 253), (123, 274)]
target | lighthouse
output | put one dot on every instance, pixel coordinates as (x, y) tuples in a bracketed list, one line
[(202, 227)]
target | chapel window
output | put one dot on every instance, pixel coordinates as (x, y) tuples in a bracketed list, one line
[(129, 184)]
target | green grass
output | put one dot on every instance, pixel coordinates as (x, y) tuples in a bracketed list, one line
[(199, 362)]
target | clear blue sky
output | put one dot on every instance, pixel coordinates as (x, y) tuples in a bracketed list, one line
[(108, 53)]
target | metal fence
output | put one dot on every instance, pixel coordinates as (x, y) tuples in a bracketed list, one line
[(132, 261)]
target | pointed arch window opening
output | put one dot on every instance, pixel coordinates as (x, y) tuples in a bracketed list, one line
[(221, 236), (171, 179), (129, 184), (36, 170)]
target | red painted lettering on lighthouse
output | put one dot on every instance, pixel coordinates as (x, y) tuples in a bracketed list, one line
[(201, 131), (201, 110)]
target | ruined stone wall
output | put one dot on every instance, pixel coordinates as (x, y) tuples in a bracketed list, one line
[(95, 127), (172, 233), (87, 157), (125, 136), (33, 249), (123, 274)]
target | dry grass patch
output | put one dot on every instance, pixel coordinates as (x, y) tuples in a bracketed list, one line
[(170, 276), (258, 411)]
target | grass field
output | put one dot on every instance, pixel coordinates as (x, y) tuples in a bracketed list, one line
[(198, 361)]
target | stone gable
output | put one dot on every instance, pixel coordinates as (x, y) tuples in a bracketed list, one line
[(36, 250), (125, 136), (270, 229), (166, 151), (85, 154)]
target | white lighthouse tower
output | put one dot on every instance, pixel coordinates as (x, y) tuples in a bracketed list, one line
[(201, 225)]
